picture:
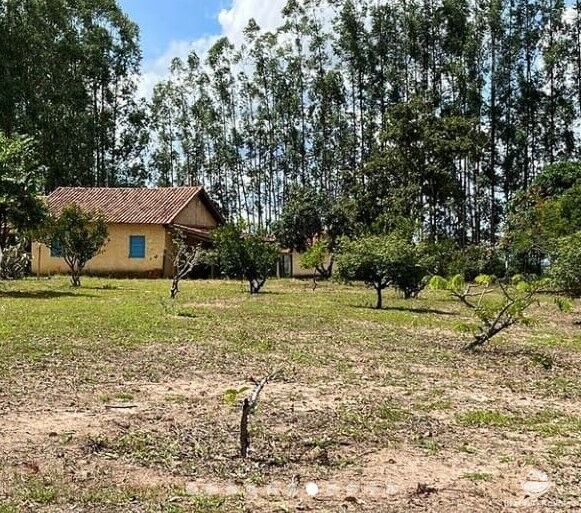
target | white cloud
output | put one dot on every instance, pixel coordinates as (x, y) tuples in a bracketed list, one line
[(233, 21), (158, 69)]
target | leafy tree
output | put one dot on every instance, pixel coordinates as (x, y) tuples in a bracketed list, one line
[(79, 235), (308, 217), (440, 111), (20, 183), (69, 75), (565, 269), (314, 258), (475, 260), (494, 315), (382, 261), (244, 256), (549, 209)]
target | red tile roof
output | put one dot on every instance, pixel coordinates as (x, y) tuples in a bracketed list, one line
[(127, 205)]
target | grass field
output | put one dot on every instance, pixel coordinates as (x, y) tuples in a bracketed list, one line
[(113, 399)]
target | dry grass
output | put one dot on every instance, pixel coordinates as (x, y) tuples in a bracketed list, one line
[(115, 399)]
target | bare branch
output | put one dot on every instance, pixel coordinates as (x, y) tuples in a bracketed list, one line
[(248, 406)]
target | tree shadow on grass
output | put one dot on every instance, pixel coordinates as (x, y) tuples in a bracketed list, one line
[(408, 310), (40, 294)]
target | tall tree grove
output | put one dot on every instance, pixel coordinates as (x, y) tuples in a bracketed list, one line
[(68, 77), (440, 109)]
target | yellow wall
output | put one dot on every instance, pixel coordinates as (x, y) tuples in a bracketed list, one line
[(114, 259), (298, 270), (196, 214)]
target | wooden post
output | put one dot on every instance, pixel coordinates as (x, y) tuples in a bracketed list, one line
[(39, 262)]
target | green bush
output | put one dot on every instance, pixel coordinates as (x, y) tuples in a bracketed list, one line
[(537, 217), (565, 271), (81, 235), (383, 261), (14, 262), (244, 256)]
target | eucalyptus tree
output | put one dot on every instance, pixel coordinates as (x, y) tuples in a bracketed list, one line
[(438, 109), (68, 77)]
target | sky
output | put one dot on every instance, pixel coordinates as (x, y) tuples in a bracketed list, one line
[(172, 28)]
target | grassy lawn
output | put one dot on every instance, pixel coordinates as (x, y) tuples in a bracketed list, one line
[(113, 398)]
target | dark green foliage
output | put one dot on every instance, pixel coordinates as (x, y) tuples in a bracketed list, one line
[(546, 211), (80, 235), (475, 260), (68, 76), (301, 220), (309, 216), (20, 184), (438, 112), (244, 256), (383, 261), (557, 179), (15, 262), (565, 269)]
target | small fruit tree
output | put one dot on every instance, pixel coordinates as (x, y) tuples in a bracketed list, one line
[(382, 261), (250, 257), (79, 236), (495, 304)]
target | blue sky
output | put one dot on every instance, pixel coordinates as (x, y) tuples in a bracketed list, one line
[(172, 28), (163, 21)]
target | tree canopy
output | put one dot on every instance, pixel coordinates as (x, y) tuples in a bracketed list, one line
[(20, 184), (78, 236), (244, 255), (383, 261)]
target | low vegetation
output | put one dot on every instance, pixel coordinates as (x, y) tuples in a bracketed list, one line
[(144, 404), (494, 315)]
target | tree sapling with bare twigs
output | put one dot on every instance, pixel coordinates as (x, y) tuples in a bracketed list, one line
[(494, 315), (248, 407), (186, 258)]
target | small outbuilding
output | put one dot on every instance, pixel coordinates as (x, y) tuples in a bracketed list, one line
[(140, 224)]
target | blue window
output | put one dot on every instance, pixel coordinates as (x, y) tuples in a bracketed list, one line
[(136, 246), (56, 249)]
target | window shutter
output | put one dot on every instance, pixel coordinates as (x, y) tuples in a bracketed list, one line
[(136, 246)]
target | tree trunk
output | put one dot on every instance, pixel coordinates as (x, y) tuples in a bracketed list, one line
[(256, 285), (75, 279), (379, 304), (175, 287), (244, 437)]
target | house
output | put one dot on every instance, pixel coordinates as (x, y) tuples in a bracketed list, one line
[(140, 223)]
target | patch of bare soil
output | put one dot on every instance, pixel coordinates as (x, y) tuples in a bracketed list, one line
[(387, 439)]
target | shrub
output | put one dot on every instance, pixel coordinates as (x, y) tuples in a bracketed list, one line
[(381, 261), (14, 262), (494, 316), (244, 256), (565, 271)]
